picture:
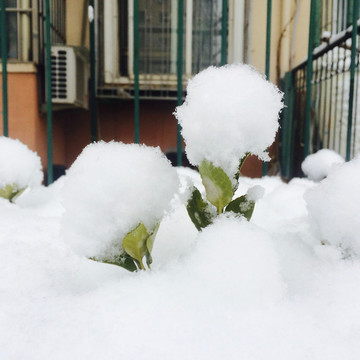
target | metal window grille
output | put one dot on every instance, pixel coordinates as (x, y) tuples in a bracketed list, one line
[(25, 33), (202, 45)]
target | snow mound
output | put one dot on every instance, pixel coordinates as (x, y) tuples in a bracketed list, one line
[(238, 253), (18, 164), (334, 207), (319, 165), (109, 190), (228, 112)]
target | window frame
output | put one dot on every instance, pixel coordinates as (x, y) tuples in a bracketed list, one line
[(111, 43)]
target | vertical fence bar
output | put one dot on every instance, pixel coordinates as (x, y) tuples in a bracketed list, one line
[(352, 77), (224, 25), (4, 69), (309, 78), (268, 39), (48, 93), (287, 128), (267, 60), (93, 107), (179, 74), (136, 72)]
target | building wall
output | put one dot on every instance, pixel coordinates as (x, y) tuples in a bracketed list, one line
[(158, 127), (26, 122), (289, 35)]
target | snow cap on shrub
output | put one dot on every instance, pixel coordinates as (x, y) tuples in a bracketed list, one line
[(319, 165), (109, 190), (334, 207), (228, 112), (19, 165)]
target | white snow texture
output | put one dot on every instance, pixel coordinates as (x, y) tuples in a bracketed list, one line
[(228, 112), (319, 165), (283, 286), (334, 207), (18, 164), (109, 190)]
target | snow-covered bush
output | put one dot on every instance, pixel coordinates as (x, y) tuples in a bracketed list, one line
[(334, 207), (114, 198), (229, 113), (19, 168), (319, 165)]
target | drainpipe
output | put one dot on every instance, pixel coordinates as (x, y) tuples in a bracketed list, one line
[(286, 40), (4, 69)]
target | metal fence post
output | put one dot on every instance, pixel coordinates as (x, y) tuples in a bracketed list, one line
[(267, 60), (48, 93), (224, 25), (4, 69), (309, 78), (287, 128), (136, 72), (92, 82), (352, 77), (179, 74)]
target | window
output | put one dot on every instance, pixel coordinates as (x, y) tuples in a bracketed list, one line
[(158, 39), (18, 21), (25, 28)]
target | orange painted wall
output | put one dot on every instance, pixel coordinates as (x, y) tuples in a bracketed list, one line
[(158, 127), (26, 122), (116, 122)]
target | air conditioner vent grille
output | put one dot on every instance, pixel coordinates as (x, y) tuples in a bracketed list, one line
[(58, 75), (69, 75)]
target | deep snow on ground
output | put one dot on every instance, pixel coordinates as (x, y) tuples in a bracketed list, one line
[(283, 286), (267, 289)]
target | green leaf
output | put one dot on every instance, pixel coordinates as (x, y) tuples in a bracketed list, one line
[(237, 175), (197, 210), (149, 245), (242, 206), (10, 192), (135, 244), (217, 184), (124, 260), (242, 161)]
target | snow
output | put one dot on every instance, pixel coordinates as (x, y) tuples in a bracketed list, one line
[(283, 286), (255, 193), (319, 165), (225, 109), (258, 290), (18, 164), (109, 190), (90, 13), (334, 206)]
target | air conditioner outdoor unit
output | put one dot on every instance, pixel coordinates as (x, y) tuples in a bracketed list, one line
[(69, 75)]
